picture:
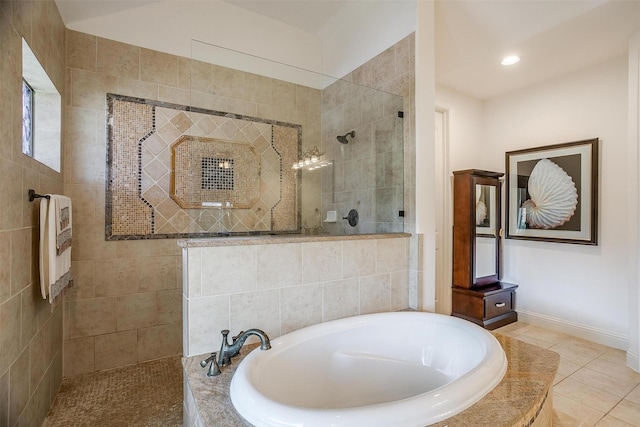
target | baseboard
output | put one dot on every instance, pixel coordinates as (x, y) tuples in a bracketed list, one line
[(633, 361), (600, 336)]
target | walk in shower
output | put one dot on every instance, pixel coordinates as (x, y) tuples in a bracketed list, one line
[(255, 147)]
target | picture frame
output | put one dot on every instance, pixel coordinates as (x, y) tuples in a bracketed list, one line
[(552, 193)]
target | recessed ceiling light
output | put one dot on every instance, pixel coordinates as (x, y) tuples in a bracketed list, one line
[(510, 60)]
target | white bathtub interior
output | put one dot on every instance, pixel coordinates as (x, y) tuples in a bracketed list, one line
[(379, 369)]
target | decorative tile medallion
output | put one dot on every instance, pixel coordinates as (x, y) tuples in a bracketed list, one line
[(210, 172), (175, 171)]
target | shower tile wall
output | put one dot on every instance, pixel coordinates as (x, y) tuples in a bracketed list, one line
[(126, 306), (156, 184), (367, 172), (30, 333), (391, 71), (365, 276)]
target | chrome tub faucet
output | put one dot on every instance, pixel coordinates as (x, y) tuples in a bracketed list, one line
[(227, 351)]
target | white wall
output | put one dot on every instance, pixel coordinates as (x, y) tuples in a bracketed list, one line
[(464, 115), (633, 354), (362, 30), (425, 154), (580, 289)]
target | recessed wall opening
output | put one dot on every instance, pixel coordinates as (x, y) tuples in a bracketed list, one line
[(27, 118), (41, 112)]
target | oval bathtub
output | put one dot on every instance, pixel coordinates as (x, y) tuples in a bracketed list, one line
[(386, 369)]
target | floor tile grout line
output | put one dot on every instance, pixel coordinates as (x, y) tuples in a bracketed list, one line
[(600, 353)]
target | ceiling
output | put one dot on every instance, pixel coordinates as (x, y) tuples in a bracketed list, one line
[(308, 15), (553, 37)]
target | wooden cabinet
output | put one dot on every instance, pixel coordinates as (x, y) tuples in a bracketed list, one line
[(478, 295), (476, 228), (489, 306)]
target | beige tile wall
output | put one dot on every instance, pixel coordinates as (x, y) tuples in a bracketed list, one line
[(283, 287), (367, 172), (391, 71), (126, 306), (122, 309), (30, 333), (120, 300)]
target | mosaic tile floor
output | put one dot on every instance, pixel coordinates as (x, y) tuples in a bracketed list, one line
[(148, 394)]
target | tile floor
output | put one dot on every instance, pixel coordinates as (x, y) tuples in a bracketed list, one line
[(143, 395), (593, 387)]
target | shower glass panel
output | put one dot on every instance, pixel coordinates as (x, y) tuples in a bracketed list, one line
[(267, 148)]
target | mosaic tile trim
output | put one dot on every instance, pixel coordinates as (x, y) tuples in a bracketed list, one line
[(286, 212), (139, 202)]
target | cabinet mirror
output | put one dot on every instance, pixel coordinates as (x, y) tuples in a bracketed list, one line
[(486, 244), (476, 231)]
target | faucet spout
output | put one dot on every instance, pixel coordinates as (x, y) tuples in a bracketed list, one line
[(239, 340), (265, 343)]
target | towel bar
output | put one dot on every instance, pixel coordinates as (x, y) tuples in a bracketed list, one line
[(33, 195)]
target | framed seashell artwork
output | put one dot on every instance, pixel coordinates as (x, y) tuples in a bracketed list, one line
[(552, 193)]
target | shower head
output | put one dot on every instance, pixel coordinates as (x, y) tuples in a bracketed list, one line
[(343, 138)]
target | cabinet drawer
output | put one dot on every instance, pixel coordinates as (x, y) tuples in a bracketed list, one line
[(498, 304)]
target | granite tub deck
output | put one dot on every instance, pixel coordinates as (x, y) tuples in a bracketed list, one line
[(523, 397)]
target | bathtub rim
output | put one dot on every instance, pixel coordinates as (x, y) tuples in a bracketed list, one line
[(255, 406)]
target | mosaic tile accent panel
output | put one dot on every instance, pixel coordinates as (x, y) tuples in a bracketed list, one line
[(216, 172), (156, 183), (129, 214), (285, 212)]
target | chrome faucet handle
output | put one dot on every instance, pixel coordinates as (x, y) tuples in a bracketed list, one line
[(214, 368), (208, 359)]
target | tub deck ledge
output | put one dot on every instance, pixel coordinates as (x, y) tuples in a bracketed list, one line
[(522, 398)]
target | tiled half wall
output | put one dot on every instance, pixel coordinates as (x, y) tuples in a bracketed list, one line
[(176, 171), (282, 287)]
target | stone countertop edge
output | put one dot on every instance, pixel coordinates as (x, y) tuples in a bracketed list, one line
[(280, 238), (211, 394), (516, 400)]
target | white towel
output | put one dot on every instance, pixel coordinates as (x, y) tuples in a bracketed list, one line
[(55, 246)]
